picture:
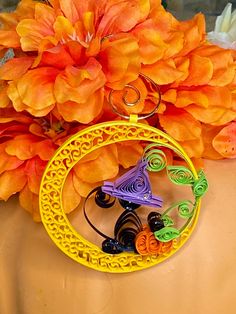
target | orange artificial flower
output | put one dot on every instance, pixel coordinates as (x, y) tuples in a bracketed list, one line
[(27, 144), (69, 57)]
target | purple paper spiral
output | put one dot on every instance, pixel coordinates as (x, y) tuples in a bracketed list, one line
[(134, 186)]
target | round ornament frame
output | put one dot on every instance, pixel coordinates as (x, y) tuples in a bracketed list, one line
[(56, 221)]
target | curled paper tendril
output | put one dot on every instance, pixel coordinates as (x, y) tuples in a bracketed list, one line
[(201, 185), (134, 186), (166, 234), (136, 100), (126, 228), (104, 200), (186, 209), (180, 175), (155, 158)]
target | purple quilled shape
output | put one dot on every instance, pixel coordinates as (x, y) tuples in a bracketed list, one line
[(134, 186)]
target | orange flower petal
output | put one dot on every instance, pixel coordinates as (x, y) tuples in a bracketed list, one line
[(57, 57), (129, 153), (70, 196), (9, 39), (162, 72), (194, 33), (9, 114), (222, 60), (180, 124), (123, 16), (45, 15), (221, 106), (34, 90), (32, 31), (209, 132), (64, 29), (225, 141), (4, 99), (27, 146), (151, 46), (170, 96), (21, 147), (84, 113), (8, 162), (15, 68), (194, 148), (14, 95), (11, 182), (30, 202), (120, 60), (104, 167), (69, 8), (78, 85), (189, 97), (34, 169), (175, 43), (83, 188), (212, 115), (200, 71)]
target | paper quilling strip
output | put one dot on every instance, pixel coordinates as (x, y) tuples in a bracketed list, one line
[(136, 244)]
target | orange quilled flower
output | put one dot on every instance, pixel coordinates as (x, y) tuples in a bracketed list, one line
[(147, 244)]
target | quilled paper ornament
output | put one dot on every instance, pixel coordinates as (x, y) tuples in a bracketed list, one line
[(149, 225)]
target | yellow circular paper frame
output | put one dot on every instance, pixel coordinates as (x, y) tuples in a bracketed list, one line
[(54, 218)]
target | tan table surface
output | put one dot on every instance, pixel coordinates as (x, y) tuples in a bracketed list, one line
[(37, 278)]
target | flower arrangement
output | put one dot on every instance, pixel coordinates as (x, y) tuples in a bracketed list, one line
[(69, 54)]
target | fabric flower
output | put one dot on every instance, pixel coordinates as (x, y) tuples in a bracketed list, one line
[(26, 145), (224, 34), (70, 52)]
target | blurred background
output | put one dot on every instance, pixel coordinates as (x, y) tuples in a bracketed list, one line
[(182, 9)]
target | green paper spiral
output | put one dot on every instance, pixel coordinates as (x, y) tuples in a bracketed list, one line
[(185, 209), (201, 185), (180, 175), (167, 220), (166, 234), (156, 159)]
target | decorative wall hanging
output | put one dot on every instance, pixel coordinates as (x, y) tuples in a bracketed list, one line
[(137, 243)]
